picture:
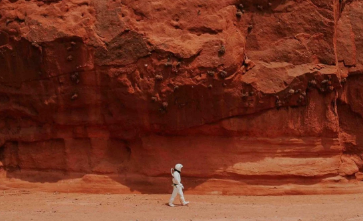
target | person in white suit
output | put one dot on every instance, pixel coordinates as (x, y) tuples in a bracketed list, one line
[(177, 186)]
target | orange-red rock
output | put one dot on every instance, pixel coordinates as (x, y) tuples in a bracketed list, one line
[(108, 95)]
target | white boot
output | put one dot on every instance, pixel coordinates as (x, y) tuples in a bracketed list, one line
[(183, 202), (171, 205)]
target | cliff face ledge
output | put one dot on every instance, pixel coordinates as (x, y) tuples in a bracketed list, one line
[(253, 97)]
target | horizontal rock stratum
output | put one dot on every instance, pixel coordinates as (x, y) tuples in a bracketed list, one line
[(252, 97)]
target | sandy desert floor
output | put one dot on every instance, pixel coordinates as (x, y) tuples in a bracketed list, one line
[(30, 205)]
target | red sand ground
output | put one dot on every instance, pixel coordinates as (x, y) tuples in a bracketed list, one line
[(29, 205)]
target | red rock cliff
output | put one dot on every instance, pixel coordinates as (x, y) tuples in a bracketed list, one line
[(253, 97)]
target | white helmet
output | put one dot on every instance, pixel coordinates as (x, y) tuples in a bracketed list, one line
[(178, 167)]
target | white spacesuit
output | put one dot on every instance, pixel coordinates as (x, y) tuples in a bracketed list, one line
[(177, 186)]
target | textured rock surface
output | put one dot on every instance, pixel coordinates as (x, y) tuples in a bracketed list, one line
[(253, 97)]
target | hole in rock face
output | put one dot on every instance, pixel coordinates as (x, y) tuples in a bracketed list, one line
[(13, 1), (49, 1), (2, 151), (4, 38)]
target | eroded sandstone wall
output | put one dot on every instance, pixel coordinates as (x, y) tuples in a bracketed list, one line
[(253, 97)]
